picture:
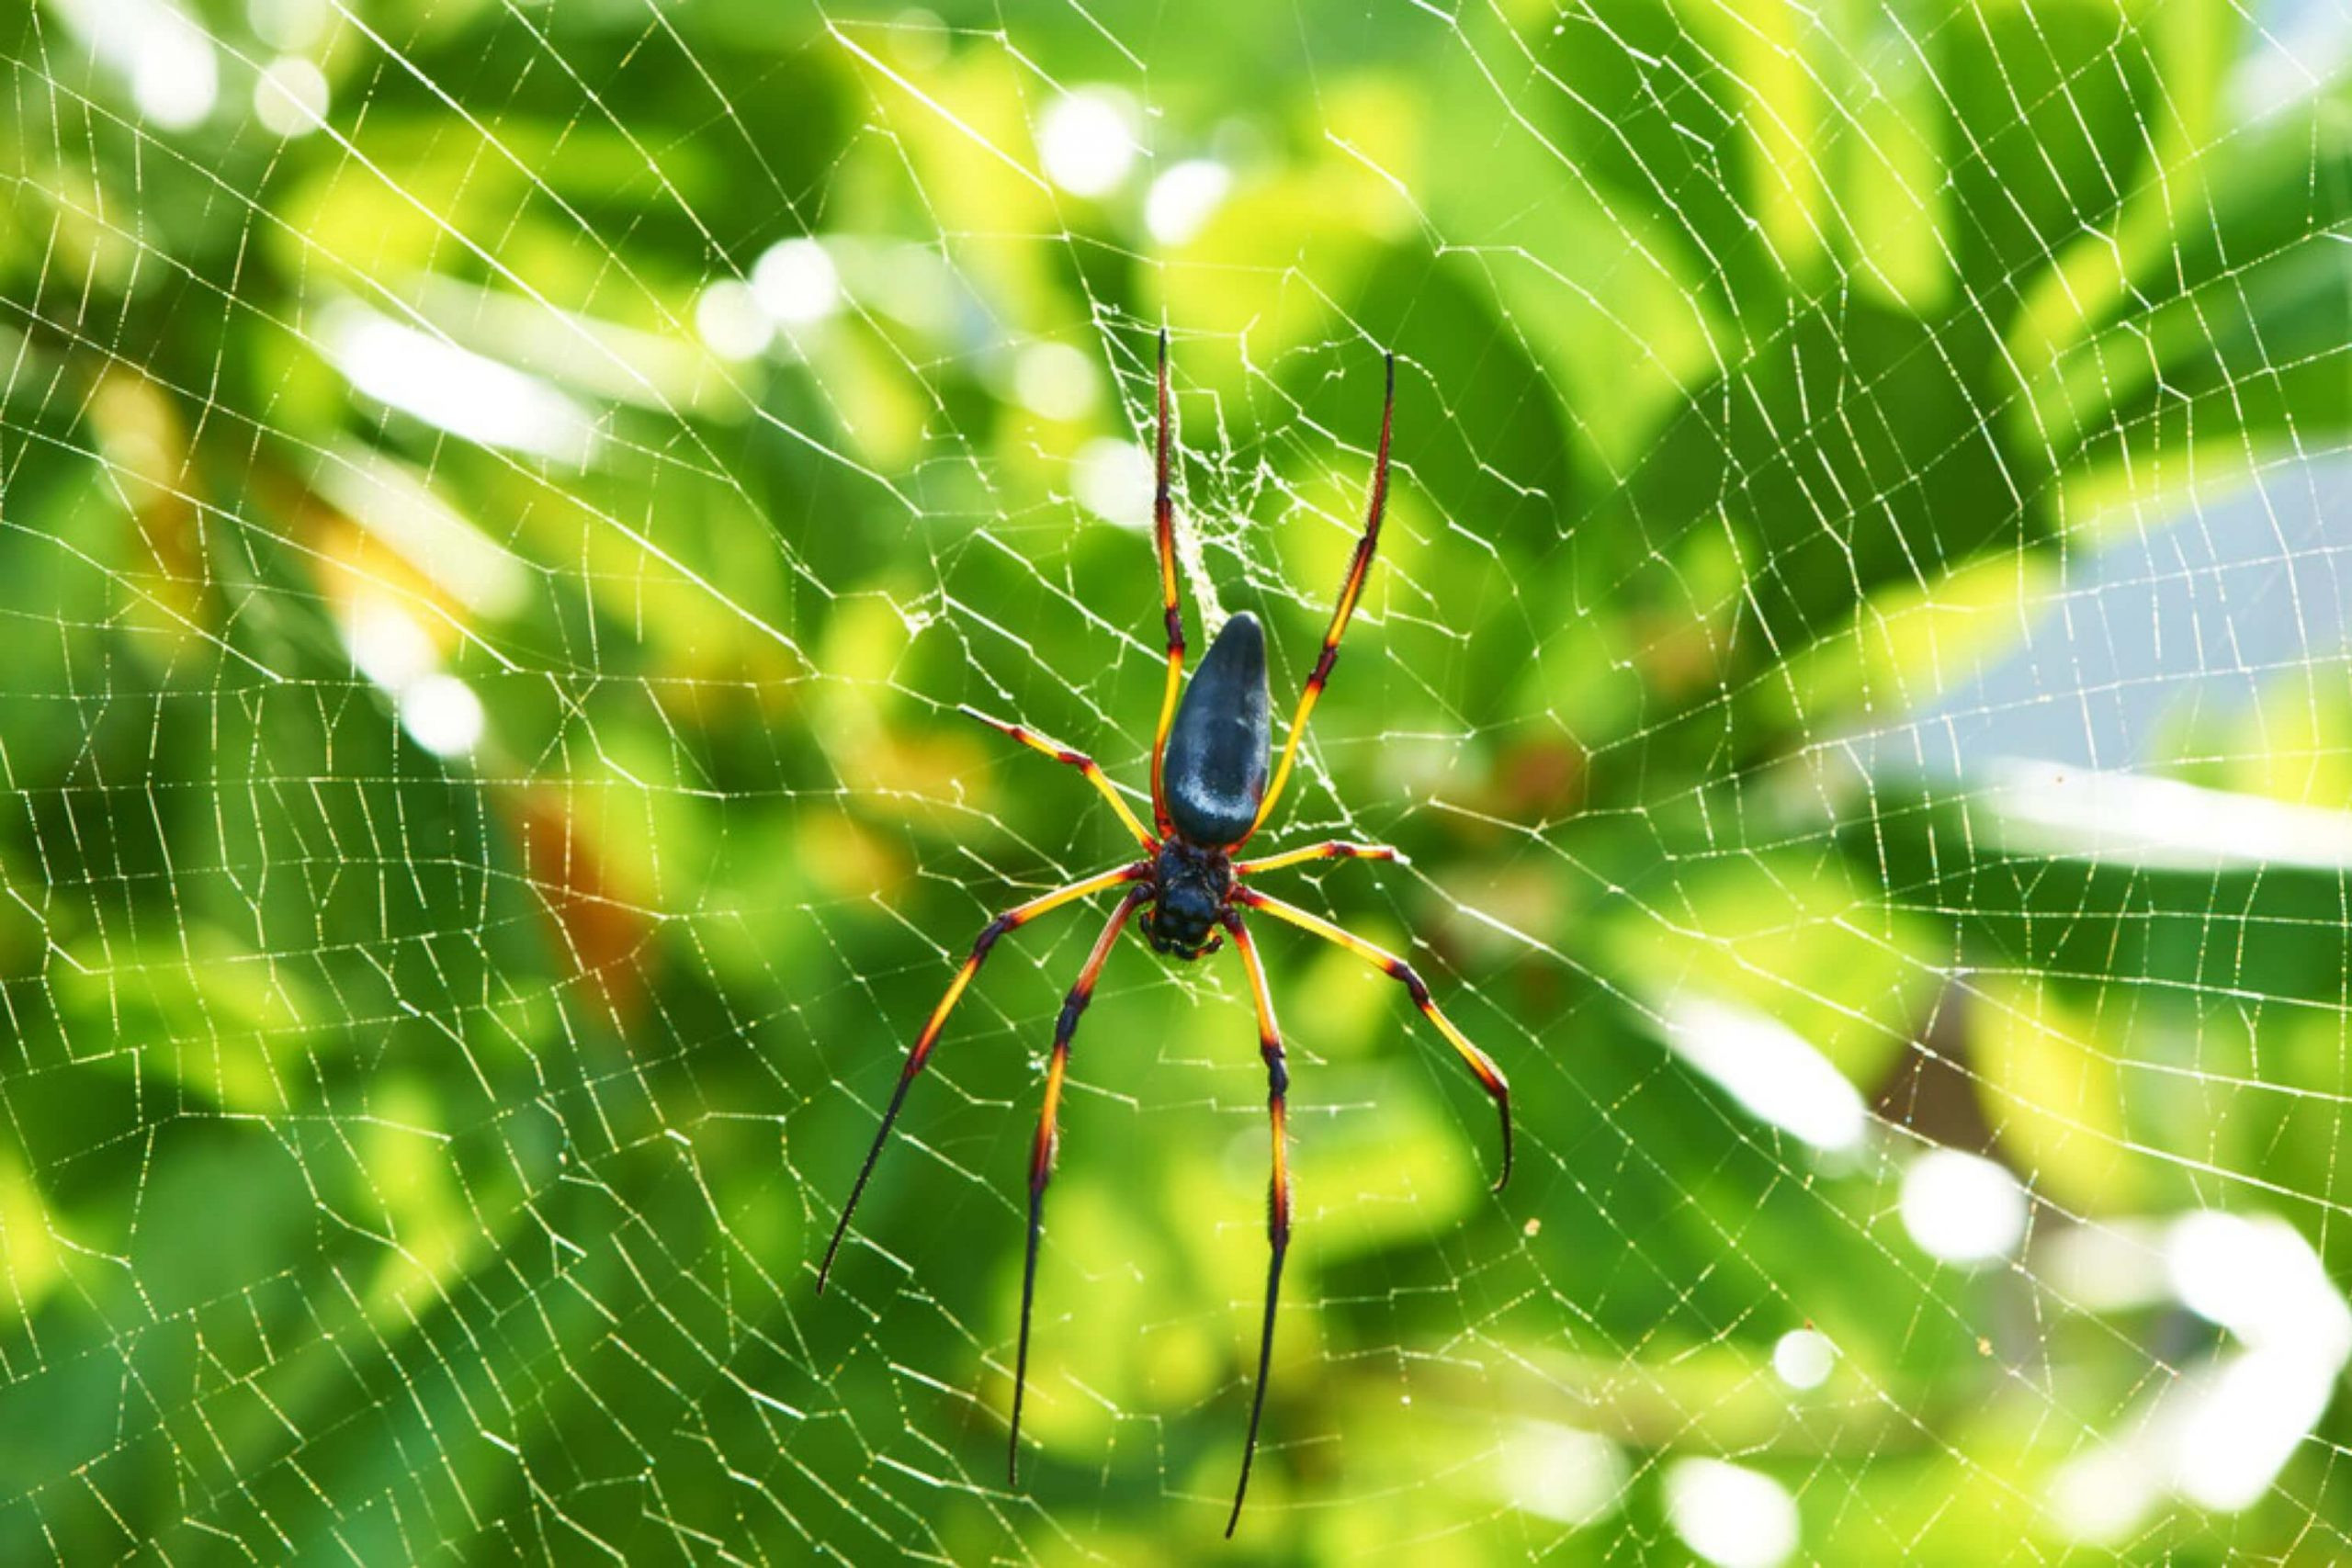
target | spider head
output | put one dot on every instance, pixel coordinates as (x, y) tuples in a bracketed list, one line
[(1183, 927), (1188, 904)]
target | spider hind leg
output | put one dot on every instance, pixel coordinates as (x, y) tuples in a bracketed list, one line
[(1482, 1066), (1270, 1046), (1041, 1158), (919, 1054)]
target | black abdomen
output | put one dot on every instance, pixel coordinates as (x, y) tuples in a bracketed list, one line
[(1214, 769)]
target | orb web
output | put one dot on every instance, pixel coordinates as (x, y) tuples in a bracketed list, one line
[(502, 504)]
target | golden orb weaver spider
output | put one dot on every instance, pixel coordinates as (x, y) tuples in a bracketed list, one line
[(1209, 795)]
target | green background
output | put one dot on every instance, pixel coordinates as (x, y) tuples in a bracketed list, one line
[(410, 1158)]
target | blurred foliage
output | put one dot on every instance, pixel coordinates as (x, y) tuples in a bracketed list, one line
[(409, 1155)]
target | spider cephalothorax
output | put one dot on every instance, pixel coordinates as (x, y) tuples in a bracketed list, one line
[(1189, 889), (1209, 795)]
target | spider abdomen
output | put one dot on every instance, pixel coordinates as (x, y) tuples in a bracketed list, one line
[(1214, 769)]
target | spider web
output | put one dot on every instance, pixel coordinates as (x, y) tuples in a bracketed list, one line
[(502, 503)]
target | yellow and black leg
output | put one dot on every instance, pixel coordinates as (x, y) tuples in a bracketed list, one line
[(1163, 527), (1041, 1158), (1335, 850), (1351, 590), (1490, 1077), (1078, 760), (1270, 1046), (1012, 919)]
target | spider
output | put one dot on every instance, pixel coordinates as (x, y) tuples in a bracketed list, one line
[(1209, 795)]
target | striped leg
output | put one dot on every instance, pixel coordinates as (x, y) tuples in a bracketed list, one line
[(1335, 850), (1078, 760), (1270, 1046), (1490, 1077), (1163, 527), (1041, 1160), (920, 1053), (1349, 592)]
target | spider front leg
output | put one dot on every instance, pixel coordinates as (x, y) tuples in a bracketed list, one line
[(1351, 590), (1011, 920), (1270, 1046), (1078, 760), (1489, 1075), (1041, 1160), (1163, 527)]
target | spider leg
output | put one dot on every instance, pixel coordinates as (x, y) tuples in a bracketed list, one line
[(1163, 526), (1270, 1046), (1078, 760), (1041, 1161), (1490, 1077), (1351, 590), (1019, 916), (1335, 850)]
